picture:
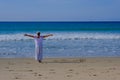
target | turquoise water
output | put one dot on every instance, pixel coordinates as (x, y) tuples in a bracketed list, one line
[(71, 39), (58, 26)]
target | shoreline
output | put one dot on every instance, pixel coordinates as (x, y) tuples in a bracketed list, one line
[(64, 59), (102, 68)]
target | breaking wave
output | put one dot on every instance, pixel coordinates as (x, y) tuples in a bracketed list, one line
[(63, 36)]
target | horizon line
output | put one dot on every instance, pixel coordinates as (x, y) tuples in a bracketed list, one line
[(59, 21)]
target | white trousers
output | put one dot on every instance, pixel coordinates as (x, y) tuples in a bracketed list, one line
[(38, 53)]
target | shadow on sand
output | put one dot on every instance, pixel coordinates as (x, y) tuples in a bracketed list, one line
[(70, 60)]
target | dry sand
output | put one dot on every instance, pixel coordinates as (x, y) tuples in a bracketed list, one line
[(60, 69)]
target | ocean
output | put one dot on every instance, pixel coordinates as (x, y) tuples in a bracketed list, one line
[(71, 39)]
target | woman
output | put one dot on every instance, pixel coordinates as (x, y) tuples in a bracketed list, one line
[(38, 45)]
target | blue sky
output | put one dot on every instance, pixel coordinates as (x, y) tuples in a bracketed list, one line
[(59, 10)]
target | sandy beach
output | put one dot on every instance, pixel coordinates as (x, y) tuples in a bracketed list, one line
[(60, 69)]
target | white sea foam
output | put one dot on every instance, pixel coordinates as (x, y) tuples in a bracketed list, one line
[(64, 44), (62, 36), (9, 37)]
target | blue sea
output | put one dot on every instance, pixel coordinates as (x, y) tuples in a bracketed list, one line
[(71, 39)]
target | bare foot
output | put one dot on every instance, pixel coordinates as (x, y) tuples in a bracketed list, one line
[(40, 61)]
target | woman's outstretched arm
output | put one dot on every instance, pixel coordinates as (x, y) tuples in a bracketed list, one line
[(45, 36), (29, 35)]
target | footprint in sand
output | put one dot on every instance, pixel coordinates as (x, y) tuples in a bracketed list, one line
[(69, 75), (30, 70), (71, 70), (7, 67), (52, 71), (112, 68), (17, 77), (10, 70), (39, 74), (92, 75), (36, 74)]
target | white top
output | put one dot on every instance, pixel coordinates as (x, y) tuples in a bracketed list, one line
[(38, 41)]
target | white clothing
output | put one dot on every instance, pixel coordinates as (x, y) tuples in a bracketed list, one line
[(38, 48)]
